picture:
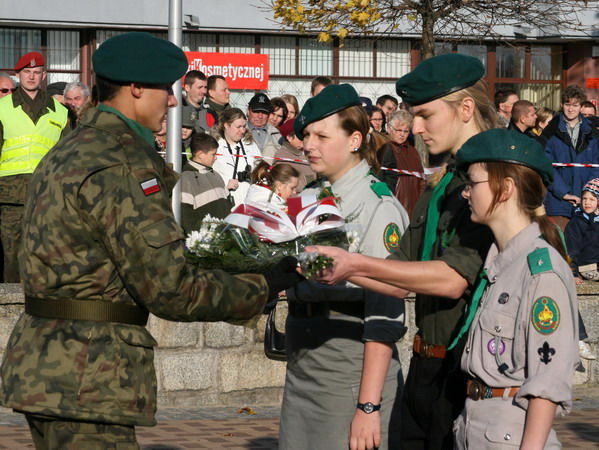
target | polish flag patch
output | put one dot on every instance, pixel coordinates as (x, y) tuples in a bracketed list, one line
[(150, 186)]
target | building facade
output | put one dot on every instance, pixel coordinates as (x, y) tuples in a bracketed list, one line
[(537, 68)]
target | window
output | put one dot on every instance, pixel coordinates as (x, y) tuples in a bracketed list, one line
[(281, 54), (356, 58), (315, 58), (510, 62)]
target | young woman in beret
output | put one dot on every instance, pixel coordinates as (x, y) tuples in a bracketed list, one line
[(521, 347), (343, 375), (441, 253)]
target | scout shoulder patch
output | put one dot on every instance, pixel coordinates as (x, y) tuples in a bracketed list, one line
[(546, 352), (150, 186), (391, 237), (545, 315), (381, 189), (539, 261)]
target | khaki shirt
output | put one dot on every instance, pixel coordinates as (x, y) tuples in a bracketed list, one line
[(525, 331), (373, 217), (460, 243)]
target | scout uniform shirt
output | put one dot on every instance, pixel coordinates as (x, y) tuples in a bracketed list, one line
[(524, 335), (325, 352), (460, 243)]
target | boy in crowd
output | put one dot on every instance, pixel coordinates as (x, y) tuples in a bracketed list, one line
[(203, 190), (582, 241), (571, 139)]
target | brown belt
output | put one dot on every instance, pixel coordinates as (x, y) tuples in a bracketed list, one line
[(479, 391), (325, 309), (428, 351)]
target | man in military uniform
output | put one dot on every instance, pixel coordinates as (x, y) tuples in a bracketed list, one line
[(101, 249), (31, 122)]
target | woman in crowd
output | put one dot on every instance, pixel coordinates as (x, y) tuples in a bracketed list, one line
[(442, 252), (273, 184), (544, 116), (377, 119), (279, 113), (401, 155), (521, 346), (292, 105), (343, 378), (238, 152)]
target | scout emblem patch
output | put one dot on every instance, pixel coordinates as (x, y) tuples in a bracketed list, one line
[(391, 237), (545, 315), (150, 186), (546, 353)]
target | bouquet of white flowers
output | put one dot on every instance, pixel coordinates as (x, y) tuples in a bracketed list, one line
[(255, 236)]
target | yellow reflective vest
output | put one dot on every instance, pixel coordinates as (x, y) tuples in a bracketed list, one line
[(25, 142)]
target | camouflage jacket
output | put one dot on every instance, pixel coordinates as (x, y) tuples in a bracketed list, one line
[(99, 227)]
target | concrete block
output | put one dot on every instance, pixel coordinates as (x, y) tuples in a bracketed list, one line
[(186, 370), (175, 334), (243, 371), (222, 335)]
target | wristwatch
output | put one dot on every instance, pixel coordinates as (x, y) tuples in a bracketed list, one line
[(368, 407)]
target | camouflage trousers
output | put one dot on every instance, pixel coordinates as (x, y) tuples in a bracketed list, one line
[(54, 434), (11, 216)]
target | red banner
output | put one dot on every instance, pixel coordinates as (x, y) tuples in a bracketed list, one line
[(240, 70)]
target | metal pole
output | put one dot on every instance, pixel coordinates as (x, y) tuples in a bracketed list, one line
[(173, 145)]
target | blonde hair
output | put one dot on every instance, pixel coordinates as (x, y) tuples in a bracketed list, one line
[(485, 116)]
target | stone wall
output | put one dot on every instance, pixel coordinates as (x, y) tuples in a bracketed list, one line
[(216, 364)]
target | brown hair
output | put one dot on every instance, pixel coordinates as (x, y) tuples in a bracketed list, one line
[(355, 118), (228, 116), (264, 172), (531, 192), (542, 115)]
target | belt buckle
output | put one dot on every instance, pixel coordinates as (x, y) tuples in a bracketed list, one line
[(428, 350), (476, 390)]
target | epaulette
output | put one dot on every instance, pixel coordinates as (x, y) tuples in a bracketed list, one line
[(539, 261), (380, 189)]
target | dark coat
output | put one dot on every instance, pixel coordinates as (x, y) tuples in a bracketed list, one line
[(559, 149), (582, 239)]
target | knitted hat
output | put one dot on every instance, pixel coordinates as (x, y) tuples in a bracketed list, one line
[(592, 186)]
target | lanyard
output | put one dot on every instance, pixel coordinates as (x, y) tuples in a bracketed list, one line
[(471, 309), (433, 216)]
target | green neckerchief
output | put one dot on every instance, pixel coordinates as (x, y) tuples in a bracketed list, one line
[(433, 216), (471, 309), (142, 131)]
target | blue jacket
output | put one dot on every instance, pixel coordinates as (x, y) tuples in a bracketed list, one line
[(570, 180), (582, 239)]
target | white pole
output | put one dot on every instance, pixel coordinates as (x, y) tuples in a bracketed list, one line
[(173, 147)]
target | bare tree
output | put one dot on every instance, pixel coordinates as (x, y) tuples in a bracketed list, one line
[(441, 20)]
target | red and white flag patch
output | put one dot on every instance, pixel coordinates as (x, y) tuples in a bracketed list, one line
[(150, 186)]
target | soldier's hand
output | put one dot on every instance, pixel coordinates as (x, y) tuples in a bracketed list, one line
[(282, 276)]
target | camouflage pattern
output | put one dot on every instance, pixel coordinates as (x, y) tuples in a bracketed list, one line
[(62, 435), (91, 234)]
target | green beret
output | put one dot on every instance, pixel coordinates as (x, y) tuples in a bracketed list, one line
[(439, 76), (139, 57), (189, 116), (508, 146), (331, 100)]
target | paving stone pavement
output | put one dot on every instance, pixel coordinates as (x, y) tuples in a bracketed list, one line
[(226, 428)]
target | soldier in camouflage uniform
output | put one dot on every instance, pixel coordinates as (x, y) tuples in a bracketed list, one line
[(101, 249), (31, 122)]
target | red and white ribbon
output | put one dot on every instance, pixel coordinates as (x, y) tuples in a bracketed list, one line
[(306, 215)]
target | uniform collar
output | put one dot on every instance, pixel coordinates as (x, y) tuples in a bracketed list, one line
[(142, 131), (347, 182), (519, 246)]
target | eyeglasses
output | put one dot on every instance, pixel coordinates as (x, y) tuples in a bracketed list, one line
[(7, 90), (470, 185)]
